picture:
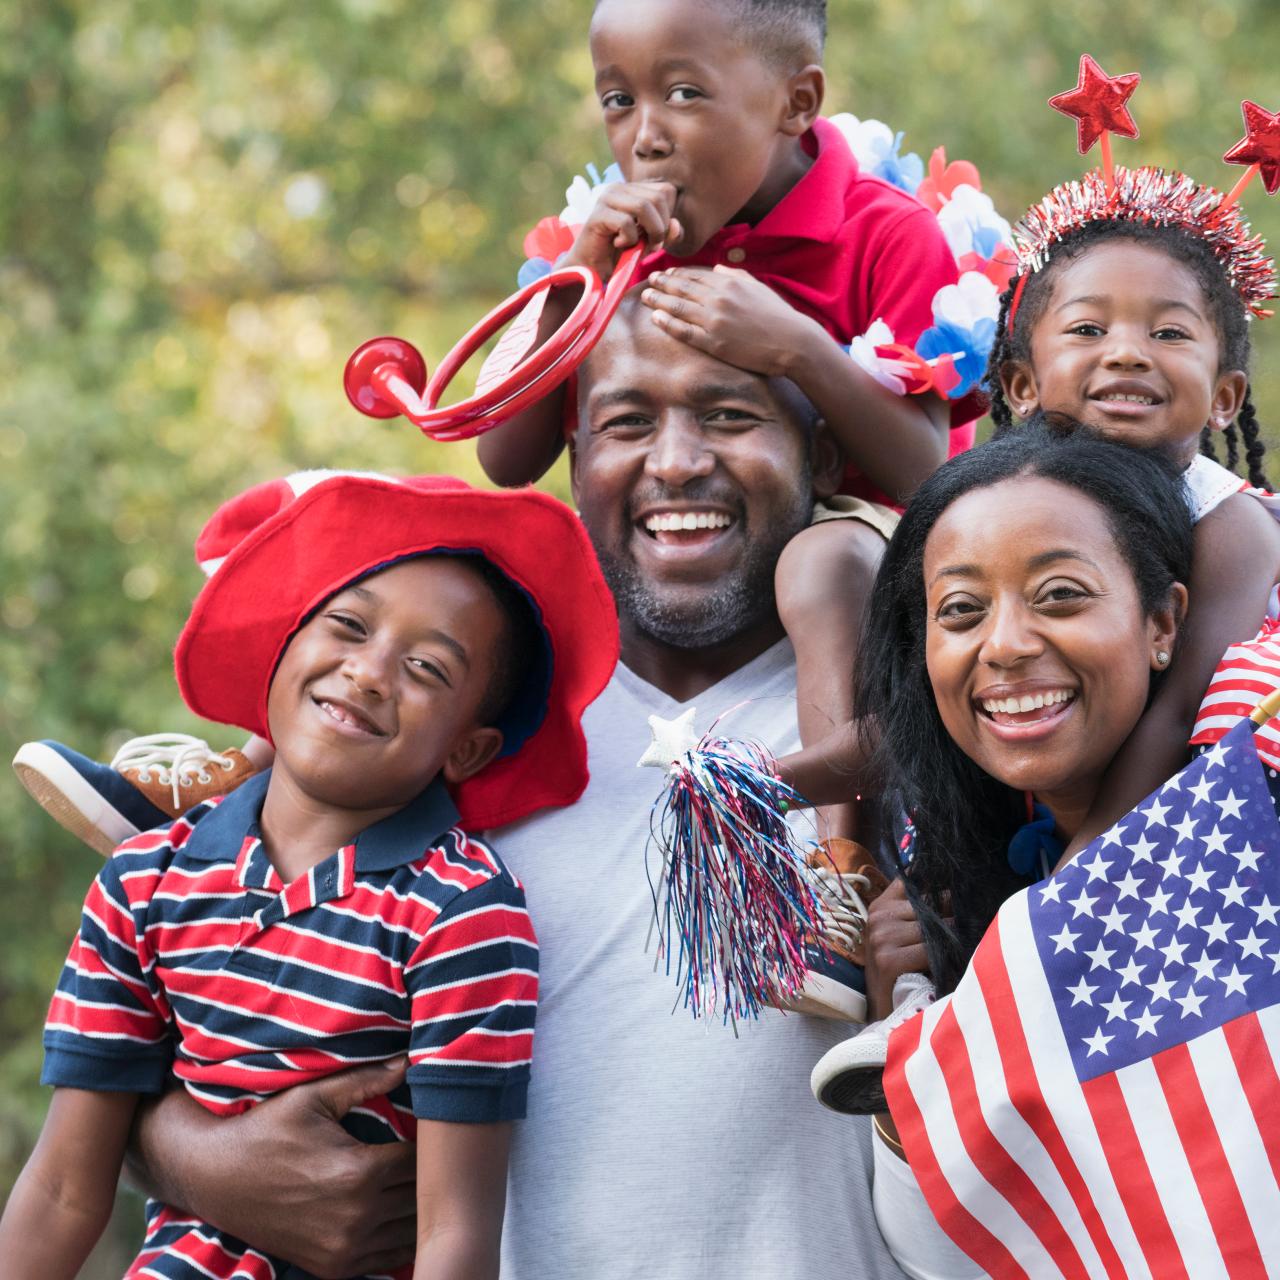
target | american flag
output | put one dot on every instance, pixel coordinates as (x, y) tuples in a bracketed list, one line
[(1099, 1096)]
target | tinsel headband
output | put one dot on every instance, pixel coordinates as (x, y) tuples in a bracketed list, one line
[(1151, 196)]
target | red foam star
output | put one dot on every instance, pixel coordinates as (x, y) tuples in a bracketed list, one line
[(1097, 103), (1260, 144)]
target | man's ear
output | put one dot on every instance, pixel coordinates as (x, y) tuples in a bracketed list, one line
[(573, 467), (805, 93), (1228, 397), (1020, 390), (828, 461), (471, 753)]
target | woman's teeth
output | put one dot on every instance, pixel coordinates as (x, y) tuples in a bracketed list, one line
[(1131, 399), (1027, 702), (670, 522)]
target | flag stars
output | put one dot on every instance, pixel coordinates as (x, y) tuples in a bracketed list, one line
[(1098, 1042), (1116, 1008), (1129, 886), (1265, 911), (1202, 790), (1173, 950), (1051, 890), (1216, 840), (1229, 806), (1142, 849), (1172, 864), (1155, 813), (1235, 980), (1100, 957), (1215, 756), (1275, 962), (1248, 858), (1204, 969), (1083, 905), (1233, 894), (1114, 920), (1250, 945), (1131, 973), (1158, 902), (1161, 989), (1144, 937), (1199, 878), (1081, 993), (1064, 940), (1187, 916), (1216, 930), (1097, 869), (1190, 1003), (1145, 1023)]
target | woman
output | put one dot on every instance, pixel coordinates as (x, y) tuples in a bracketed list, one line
[(1022, 615)]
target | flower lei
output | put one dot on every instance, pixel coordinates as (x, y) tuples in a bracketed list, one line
[(950, 356)]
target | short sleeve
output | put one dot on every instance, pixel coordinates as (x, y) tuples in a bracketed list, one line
[(473, 985), (913, 261), (106, 1029)]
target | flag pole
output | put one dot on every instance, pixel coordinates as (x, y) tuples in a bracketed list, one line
[(1268, 707)]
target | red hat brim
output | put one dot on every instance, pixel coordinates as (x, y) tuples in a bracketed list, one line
[(349, 526)]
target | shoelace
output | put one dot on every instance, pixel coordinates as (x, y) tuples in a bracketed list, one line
[(174, 756), (844, 912), (917, 994)]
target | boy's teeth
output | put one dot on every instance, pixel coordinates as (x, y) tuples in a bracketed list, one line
[(1027, 702), (670, 521)]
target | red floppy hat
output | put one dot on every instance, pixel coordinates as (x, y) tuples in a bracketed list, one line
[(279, 550)]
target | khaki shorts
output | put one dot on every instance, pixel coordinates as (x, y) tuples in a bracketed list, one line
[(840, 506)]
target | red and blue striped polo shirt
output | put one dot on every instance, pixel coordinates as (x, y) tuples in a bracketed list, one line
[(193, 958)]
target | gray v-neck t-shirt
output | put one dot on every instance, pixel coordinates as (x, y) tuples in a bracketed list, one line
[(658, 1146)]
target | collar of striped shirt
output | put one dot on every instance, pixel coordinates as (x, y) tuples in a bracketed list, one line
[(218, 835)]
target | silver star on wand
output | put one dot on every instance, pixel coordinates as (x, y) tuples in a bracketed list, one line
[(671, 739)]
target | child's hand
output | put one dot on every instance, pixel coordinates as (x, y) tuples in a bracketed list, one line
[(894, 946), (731, 315), (624, 212)]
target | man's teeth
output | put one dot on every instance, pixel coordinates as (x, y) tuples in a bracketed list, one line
[(670, 521), (1133, 399), (1028, 702)]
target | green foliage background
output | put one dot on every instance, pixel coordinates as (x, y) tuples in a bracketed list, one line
[(203, 208)]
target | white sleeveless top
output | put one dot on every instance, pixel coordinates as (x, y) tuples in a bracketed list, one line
[(1251, 669)]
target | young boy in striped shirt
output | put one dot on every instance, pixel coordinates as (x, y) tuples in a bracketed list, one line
[(395, 641)]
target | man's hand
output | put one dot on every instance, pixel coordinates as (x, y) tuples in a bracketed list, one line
[(624, 212), (287, 1178), (894, 946), (731, 315)]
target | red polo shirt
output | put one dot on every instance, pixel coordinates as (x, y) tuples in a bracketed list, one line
[(846, 249)]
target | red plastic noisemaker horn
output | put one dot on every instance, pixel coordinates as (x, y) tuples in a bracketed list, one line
[(387, 376)]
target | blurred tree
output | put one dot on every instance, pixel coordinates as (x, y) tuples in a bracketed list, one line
[(204, 208)]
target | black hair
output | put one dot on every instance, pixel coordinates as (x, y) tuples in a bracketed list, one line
[(1230, 318), (519, 647), (964, 818), (786, 33)]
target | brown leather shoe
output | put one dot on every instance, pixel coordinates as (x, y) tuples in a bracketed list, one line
[(851, 883), (175, 771)]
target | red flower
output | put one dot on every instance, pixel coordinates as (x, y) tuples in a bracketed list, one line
[(944, 178), (549, 239)]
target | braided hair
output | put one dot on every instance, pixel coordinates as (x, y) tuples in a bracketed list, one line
[(1230, 317)]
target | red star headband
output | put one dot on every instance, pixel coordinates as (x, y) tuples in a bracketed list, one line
[(1156, 197)]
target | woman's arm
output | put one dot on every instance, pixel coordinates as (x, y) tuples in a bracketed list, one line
[(1237, 555), (285, 1176), (462, 1195), (62, 1200)]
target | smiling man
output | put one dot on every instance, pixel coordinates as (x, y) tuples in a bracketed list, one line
[(655, 1145)]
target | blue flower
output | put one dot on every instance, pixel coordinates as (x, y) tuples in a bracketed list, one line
[(533, 269), (970, 347)]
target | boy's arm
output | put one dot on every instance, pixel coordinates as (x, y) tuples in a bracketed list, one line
[(62, 1200), (524, 447), (285, 1176), (462, 1194), (897, 442), (1237, 553)]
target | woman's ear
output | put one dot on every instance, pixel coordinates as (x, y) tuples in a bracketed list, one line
[(805, 92), (1164, 623), (1228, 398), (471, 753), (1020, 390)]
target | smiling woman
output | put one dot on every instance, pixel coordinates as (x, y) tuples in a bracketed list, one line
[(1024, 613)]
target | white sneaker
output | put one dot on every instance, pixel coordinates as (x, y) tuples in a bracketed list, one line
[(849, 1077)]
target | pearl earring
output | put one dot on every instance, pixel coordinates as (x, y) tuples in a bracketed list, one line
[(1162, 658)]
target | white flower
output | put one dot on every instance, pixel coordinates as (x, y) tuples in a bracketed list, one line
[(974, 298), (862, 351), (971, 224), (869, 140), (582, 193)]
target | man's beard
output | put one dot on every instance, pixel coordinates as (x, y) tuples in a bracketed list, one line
[(726, 608)]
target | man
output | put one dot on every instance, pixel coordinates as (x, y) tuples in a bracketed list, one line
[(655, 1145)]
